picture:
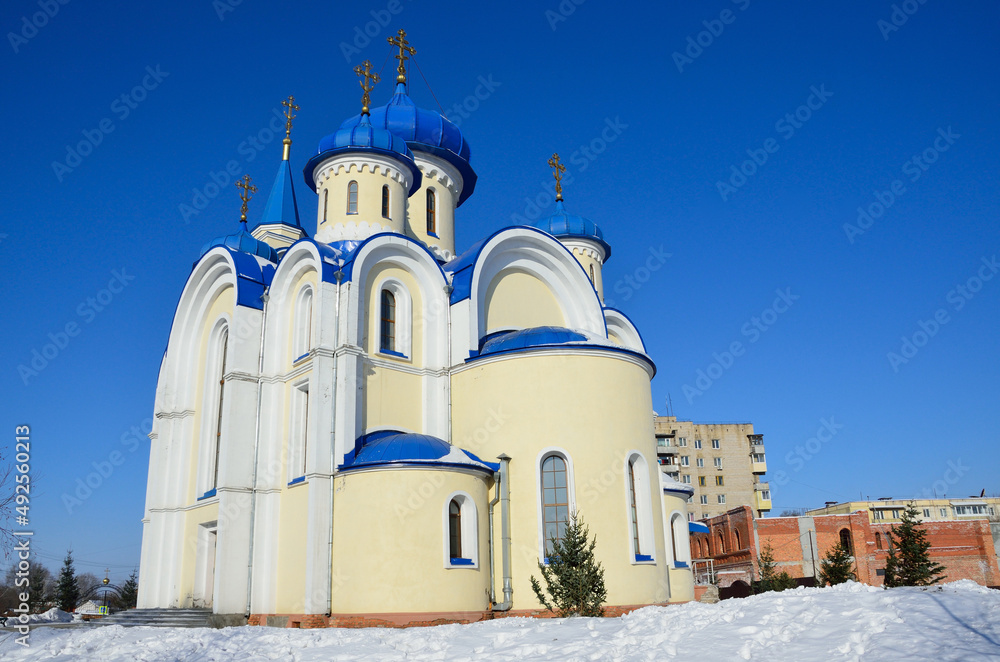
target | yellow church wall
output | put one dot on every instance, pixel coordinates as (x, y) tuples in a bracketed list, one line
[(224, 304), (444, 219), (615, 339), (392, 398), (390, 554), (505, 303), (590, 263), (595, 407), (411, 325), (370, 185), (681, 579), (308, 277), (290, 578)]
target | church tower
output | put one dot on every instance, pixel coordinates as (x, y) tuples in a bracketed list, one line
[(580, 235), (279, 226)]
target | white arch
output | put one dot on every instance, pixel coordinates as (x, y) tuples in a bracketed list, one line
[(622, 327), (432, 314), (679, 538), (570, 493), (545, 258), (286, 286)]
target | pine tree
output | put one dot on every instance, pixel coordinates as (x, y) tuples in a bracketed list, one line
[(129, 594), (908, 563), (770, 578), (836, 567), (67, 592), (574, 579)]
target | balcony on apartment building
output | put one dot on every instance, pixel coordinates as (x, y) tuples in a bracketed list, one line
[(762, 496)]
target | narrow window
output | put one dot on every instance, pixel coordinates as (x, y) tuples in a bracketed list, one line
[(722, 544), (431, 212), (387, 339), (704, 499), (878, 541), (592, 281), (632, 508), (701, 481), (385, 202), (352, 198), (715, 443), (555, 500), (719, 481), (303, 324), (218, 421), (845, 541), (697, 443), (722, 498), (700, 462), (326, 200), (455, 529), (298, 434), (739, 545), (674, 523)]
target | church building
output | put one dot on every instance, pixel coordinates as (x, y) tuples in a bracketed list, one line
[(358, 422)]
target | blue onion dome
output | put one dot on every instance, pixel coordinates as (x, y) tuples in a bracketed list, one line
[(358, 135), (243, 242), (392, 447), (425, 131), (563, 224)]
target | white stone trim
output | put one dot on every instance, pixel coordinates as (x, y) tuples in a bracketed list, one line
[(643, 507), (470, 531)]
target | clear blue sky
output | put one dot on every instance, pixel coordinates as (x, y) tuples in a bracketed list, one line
[(554, 85)]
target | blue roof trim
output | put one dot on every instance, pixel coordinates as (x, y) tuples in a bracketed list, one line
[(281, 208), (394, 448), (358, 135), (539, 336), (426, 131), (697, 527), (678, 488), (349, 258), (244, 242), (643, 342), (564, 224), (583, 346), (328, 254), (251, 278)]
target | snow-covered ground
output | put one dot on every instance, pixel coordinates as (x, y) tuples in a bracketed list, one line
[(957, 621)]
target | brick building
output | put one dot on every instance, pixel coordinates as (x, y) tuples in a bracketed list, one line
[(723, 462), (968, 549)]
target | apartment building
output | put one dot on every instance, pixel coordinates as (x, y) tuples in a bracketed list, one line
[(723, 462), (889, 510)]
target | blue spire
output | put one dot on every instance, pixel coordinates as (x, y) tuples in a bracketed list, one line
[(281, 206)]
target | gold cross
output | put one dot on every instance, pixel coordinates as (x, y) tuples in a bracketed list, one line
[(248, 191), (404, 47), (557, 170), (290, 106), (366, 75)]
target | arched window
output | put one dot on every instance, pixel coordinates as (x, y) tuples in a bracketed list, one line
[(845, 541), (722, 543), (461, 532), (387, 335), (298, 433), (302, 326), (326, 200), (555, 500), (636, 546), (431, 212), (385, 202), (221, 373), (878, 540), (680, 545), (592, 280), (454, 529), (352, 198), (736, 533)]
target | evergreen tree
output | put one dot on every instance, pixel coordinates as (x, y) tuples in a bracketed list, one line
[(574, 580), (836, 567), (770, 578), (67, 592), (129, 595), (908, 563)]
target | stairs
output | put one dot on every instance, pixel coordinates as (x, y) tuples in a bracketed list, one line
[(164, 618)]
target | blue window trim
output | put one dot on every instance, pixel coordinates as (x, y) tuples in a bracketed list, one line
[(389, 352), (643, 558), (301, 357), (296, 481), (460, 561), (680, 564), (208, 495), (431, 234)]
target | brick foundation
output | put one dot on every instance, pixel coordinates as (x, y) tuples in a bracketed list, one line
[(408, 620)]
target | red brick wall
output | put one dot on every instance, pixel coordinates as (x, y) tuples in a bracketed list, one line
[(964, 548)]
